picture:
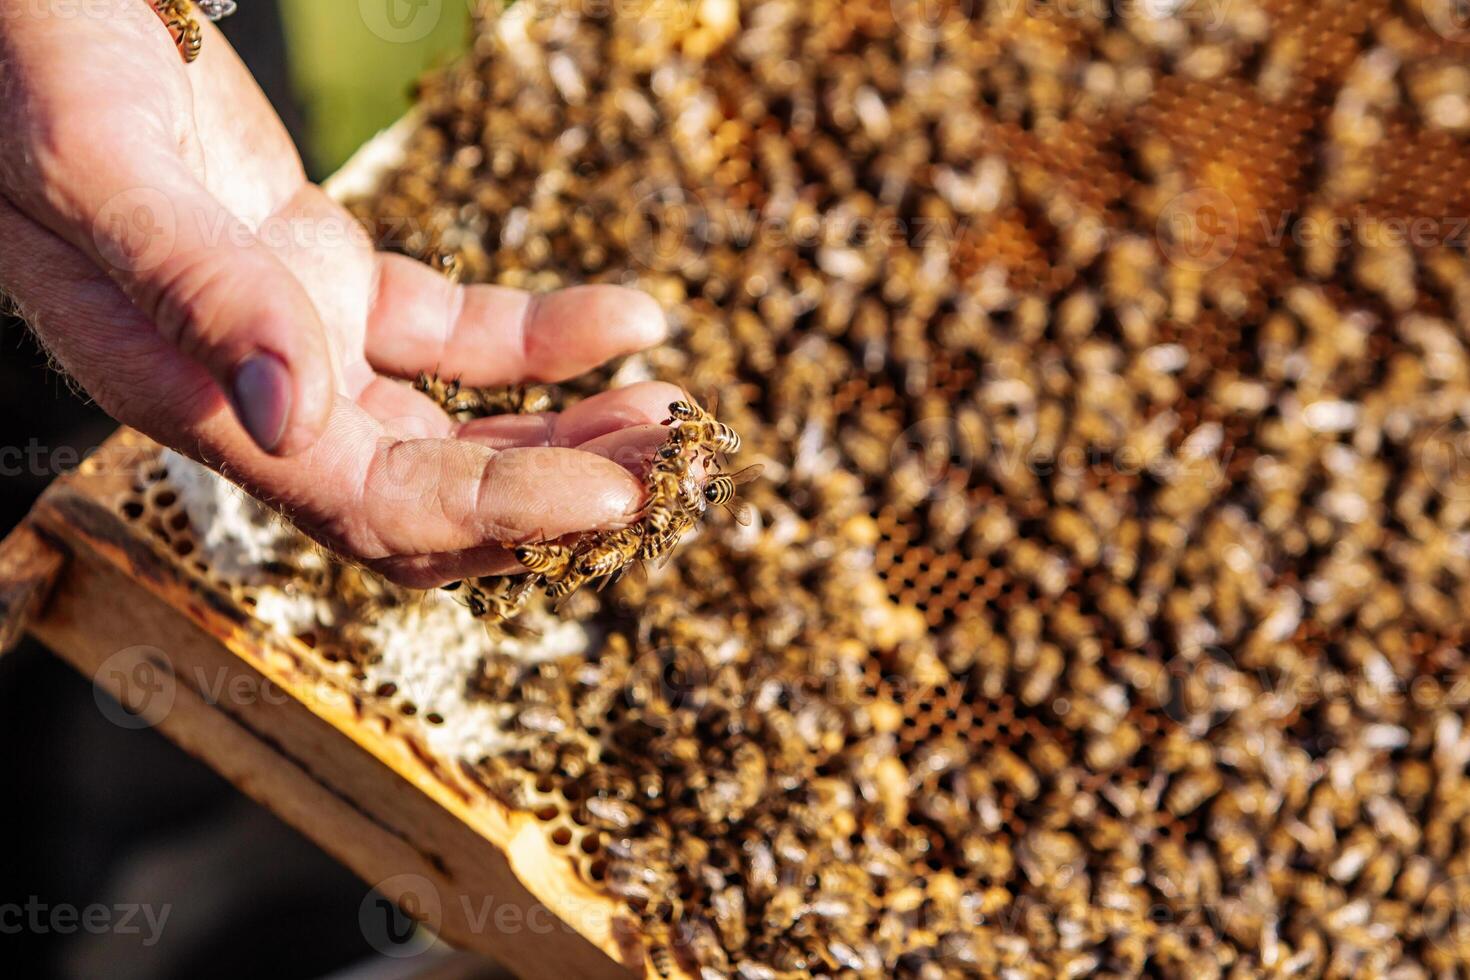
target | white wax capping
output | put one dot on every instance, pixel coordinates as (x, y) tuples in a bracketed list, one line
[(429, 649)]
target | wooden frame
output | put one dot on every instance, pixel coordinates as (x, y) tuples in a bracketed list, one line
[(101, 593), (260, 710)]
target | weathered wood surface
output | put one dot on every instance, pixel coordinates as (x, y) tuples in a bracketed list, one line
[(267, 715)]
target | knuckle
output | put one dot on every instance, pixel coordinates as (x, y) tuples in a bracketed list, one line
[(182, 298)]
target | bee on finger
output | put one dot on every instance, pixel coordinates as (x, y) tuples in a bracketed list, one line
[(501, 400), (186, 31), (665, 477), (707, 436), (659, 515), (546, 559), (691, 495), (611, 553), (687, 410), (657, 544), (697, 428), (443, 393), (562, 589)]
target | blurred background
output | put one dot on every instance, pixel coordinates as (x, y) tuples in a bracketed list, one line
[(100, 815)]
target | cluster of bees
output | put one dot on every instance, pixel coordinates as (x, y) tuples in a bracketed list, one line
[(683, 480), (1105, 610)]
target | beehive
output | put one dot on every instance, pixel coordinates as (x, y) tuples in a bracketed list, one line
[(1104, 613)]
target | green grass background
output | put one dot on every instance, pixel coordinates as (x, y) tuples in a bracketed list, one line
[(353, 62)]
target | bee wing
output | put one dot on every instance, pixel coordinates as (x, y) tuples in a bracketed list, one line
[(743, 514), (744, 476), (664, 559), (515, 629)]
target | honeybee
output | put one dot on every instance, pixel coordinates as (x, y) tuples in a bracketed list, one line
[(613, 813), (466, 403), (687, 411), (501, 601), (185, 29), (708, 435), (502, 400), (659, 514), (563, 587), (475, 600), (699, 429), (443, 393), (669, 491), (611, 553), (719, 490), (661, 958), (546, 559), (655, 544)]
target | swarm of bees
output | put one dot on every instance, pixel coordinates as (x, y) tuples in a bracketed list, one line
[(1106, 611), (683, 480)]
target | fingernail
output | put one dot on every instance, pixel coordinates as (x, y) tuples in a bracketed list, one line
[(261, 393)]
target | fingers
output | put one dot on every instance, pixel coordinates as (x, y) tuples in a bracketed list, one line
[(210, 288), (406, 505), (407, 413), (645, 403), (224, 300), (427, 496), (104, 151), (631, 449), (489, 335)]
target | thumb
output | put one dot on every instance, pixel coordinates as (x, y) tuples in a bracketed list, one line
[(220, 296)]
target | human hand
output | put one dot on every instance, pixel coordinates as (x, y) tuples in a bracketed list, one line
[(159, 234)]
